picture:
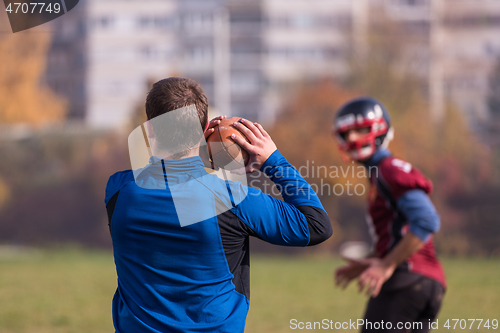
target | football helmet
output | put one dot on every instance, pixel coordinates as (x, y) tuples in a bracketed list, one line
[(359, 113)]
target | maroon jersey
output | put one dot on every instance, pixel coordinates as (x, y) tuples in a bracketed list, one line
[(392, 179)]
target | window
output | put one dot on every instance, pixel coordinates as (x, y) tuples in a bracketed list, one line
[(246, 17), (245, 83), (302, 21), (156, 22), (104, 22), (197, 21), (201, 54), (411, 2)]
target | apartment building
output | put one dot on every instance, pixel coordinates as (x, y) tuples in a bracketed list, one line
[(456, 44), (248, 54)]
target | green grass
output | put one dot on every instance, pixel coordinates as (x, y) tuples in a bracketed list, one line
[(56, 291), (302, 288), (70, 291)]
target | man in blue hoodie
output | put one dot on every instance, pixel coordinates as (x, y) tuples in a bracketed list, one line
[(181, 235)]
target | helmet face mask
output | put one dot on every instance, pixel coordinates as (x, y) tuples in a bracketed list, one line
[(371, 122)]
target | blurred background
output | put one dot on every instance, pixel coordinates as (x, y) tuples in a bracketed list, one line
[(72, 90)]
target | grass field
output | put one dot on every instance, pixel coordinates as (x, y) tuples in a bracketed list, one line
[(70, 291)]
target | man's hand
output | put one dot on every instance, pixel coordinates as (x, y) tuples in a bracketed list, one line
[(345, 274), (375, 275), (261, 145), (210, 127), (380, 270), (204, 148)]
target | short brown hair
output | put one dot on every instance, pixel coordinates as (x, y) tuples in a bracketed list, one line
[(171, 94)]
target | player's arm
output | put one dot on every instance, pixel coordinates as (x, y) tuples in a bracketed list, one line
[(344, 274), (380, 270), (300, 220), (348, 272), (423, 221)]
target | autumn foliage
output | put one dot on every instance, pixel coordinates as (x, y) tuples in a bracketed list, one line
[(23, 97)]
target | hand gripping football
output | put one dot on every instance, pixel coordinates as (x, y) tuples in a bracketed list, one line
[(224, 152)]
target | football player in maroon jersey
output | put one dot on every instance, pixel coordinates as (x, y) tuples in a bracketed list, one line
[(403, 276)]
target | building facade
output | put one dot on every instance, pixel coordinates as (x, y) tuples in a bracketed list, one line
[(249, 54)]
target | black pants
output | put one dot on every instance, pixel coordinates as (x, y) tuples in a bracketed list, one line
[(408, 309)]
